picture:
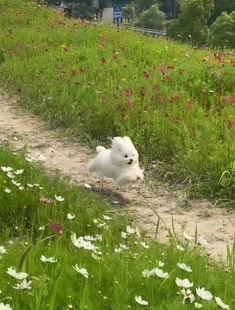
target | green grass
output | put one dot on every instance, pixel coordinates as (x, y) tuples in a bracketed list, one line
[(174, 101), (116, 278)]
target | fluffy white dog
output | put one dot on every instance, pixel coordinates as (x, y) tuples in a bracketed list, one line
[(120, 163)]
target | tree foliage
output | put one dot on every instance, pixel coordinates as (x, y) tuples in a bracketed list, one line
[(192, 21), (82, 9), (227, 6), (143, 5), (152, 18), (222, 32)]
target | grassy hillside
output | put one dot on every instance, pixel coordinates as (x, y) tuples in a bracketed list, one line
[(175, 102), (105, 266)]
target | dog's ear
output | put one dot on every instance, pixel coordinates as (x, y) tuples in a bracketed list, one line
[(117, 143), (126, 139)]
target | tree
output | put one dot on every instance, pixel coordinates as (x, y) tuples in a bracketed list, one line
[(152, 18), (192, 21), (170, 8), (222, 32), (143, 5), (82, 9), (227, 6)]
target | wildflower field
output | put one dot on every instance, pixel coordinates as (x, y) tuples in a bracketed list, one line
[(175, 102), (61, 247)]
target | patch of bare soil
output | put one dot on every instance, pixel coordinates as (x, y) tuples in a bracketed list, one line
[(144, 202)]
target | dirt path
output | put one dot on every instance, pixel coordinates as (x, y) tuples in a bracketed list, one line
[(217, 226)]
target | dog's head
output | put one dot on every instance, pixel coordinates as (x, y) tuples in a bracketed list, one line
[(123, 152)]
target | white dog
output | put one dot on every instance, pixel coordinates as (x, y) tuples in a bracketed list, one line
[(119, 163)]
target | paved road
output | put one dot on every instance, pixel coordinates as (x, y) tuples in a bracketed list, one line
[(108, 15)]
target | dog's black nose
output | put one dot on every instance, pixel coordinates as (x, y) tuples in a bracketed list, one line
[(130, 162)]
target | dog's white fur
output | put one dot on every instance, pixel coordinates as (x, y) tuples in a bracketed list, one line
[(120, 163)]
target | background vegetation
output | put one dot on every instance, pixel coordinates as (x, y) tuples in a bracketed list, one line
[(175, 102)]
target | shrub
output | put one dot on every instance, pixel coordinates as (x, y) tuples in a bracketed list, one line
[(192, 21), (222, 32), (152, 18)]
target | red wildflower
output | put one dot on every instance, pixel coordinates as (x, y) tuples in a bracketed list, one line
[(163, 99), (230, 123), (46, 200), (56, 227), (147, 74), (13, 53), (232, 100), (66, 49), (174, 98), (73, 72), (189, 105), (128, 92), (103, 60), (130, 102), (154, 86), (167, 77)]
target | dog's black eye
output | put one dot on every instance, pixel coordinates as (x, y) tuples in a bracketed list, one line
[(126, 156)]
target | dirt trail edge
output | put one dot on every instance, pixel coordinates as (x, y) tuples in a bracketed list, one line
[(144, 200)]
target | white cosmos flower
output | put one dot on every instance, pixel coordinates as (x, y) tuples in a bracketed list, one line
[(155, 272), (23, 285), (107, 218), (123, 234), (203, 294), (130, 230), (71, 216), (2, 250), (5, 307), (59, 198), (159, 273), (187, 237), (7, 190), (187, 294), (91, 238), (184, 267), (87, 186), (146, 273), (95, 256), (18, 171), (197, 305), (82, 244), (144, 245), (221, 304), (7, 169), (29, 185), (45, 259), (10, 175), (141, 301), (17, 275), (183, 283), (82, 271), (15, 183), (160, 263), (118, 250), (41, 228), (123, 246), (179, 248)]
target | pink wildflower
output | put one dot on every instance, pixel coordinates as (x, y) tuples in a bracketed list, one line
[(56, 227)]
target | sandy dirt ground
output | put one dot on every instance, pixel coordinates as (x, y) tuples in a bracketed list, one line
[(145, 202)]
